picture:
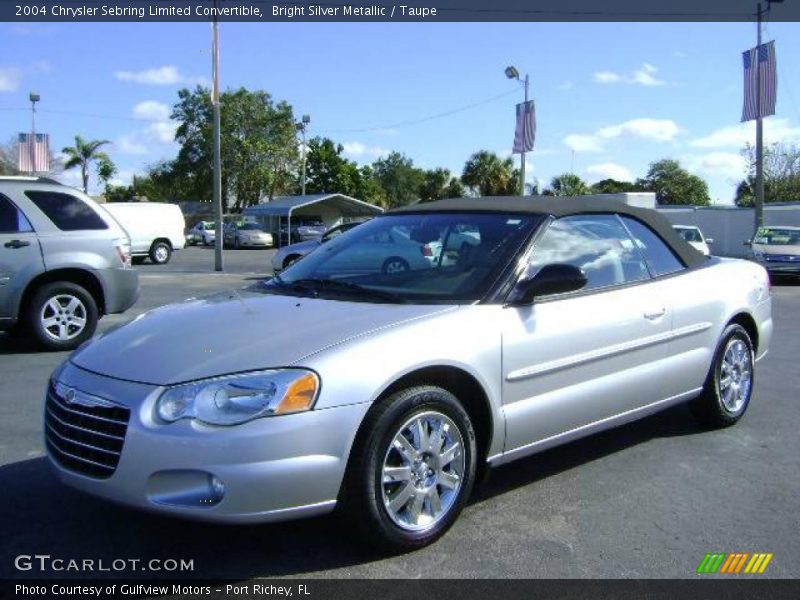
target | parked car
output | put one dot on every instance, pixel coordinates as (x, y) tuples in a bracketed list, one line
[(303, 229), (777, 248), (246, 235), (291, 254), (203, 232), (386, 392), (155, 228), (695, 237), (64, 262)]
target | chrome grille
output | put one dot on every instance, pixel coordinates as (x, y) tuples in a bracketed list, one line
[(85, 439)]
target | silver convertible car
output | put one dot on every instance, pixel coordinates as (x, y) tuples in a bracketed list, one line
[(560, 318)]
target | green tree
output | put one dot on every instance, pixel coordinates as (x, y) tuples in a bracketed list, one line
[(781, 175), (567, 184), (489, 175), (613, 186), (82, 155), (369, 189), (105, 170), (673, 184), (8, 158), (258, 142), (438, 184), (400, 179), (328, 171)]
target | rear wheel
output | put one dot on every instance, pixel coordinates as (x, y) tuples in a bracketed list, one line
[(729, 384), (62, 315), (395, 264), (412, 469), (290, 260), (160, 253)]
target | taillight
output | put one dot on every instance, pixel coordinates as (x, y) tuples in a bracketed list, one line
[(426, 250), (123, 248)]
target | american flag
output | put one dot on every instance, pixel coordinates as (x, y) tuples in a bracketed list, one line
[(765, 69), (34, 155), (526, 127)]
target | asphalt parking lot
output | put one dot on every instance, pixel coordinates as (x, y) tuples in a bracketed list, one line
[(646, 500)]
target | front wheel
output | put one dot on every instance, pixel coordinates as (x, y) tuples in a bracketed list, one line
[(160, 253), (729, 384), (412, 469), (62, 315), (395, 264)]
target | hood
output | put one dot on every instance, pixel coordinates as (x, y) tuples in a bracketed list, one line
[(232, 332), (304, 247)]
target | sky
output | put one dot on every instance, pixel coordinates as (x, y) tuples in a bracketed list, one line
[(610, 97)]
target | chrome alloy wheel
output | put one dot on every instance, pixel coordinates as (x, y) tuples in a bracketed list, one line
[(423, 471), (736, 375), (161, 254), (63, 317)]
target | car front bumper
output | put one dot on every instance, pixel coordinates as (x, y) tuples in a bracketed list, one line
[(781, 266), (255, 243), (272, 469)]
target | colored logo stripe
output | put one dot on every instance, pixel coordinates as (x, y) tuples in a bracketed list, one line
[(718, 562)]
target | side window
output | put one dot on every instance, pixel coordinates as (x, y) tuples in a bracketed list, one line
[(67, 212), (11, 218), (598, 244), (660, 258)]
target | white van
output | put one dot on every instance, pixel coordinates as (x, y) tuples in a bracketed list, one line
[(156, 229)]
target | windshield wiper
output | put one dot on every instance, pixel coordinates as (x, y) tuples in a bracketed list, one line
[(315, 284)]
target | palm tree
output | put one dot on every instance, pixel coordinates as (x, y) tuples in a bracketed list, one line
[(82, 154), (489, 175)]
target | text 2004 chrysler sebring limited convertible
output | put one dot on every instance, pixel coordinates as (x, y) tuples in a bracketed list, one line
[(379, 373)]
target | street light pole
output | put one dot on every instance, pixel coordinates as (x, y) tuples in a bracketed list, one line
[(759, 196), (522, 155), (218, 239), (34, 98), (302, 126)]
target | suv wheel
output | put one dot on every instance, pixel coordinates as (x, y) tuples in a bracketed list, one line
[(62, 315), (412, 471), (160, 253)]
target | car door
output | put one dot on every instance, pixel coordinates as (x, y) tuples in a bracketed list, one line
[(574, 360), (20, 256)]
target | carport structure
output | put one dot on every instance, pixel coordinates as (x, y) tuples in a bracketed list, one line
[(331, 209)]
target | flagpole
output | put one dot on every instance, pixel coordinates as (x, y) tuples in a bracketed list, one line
[(759, 195), (34, 98), (522, 154), (217, 174)]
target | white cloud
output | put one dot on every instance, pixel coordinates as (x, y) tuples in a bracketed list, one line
[(607, 77), (657, 130), (359, 150), (660, 130), (128, 144), (166, 75), (163, 132), (729, 165), (736, 136), (9, 79), (123, 177), (583, 143), (644, 75), (609, 170), (567, 85), (151, 111)]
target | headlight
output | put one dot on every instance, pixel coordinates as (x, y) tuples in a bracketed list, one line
[(236, 399)]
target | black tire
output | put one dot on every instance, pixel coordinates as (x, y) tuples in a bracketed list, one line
[(362, 498), (138, 260), (290, 260), (41, 308), (160, 253), (395, 264), (710, 407)]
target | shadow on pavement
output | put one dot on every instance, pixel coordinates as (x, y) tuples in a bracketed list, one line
[(41, 516)]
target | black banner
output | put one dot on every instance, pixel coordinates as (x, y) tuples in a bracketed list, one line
[(404, 589), (383, 10)]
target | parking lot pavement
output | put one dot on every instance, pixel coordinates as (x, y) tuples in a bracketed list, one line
[(200, 259), (645, 500)]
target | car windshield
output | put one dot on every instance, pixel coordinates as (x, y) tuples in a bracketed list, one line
[(208, 226), (690, 234), (426, 258), (776, 236)]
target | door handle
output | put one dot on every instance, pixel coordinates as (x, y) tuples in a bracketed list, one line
[(656, 314), (17, 244)]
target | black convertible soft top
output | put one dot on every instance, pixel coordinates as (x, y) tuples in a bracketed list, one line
[(561, 206)]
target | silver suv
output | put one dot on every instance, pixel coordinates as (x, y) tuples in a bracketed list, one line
[(64, 262)]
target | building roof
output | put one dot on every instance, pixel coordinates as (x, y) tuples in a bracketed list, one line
[(561, 206), (283, 206)]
